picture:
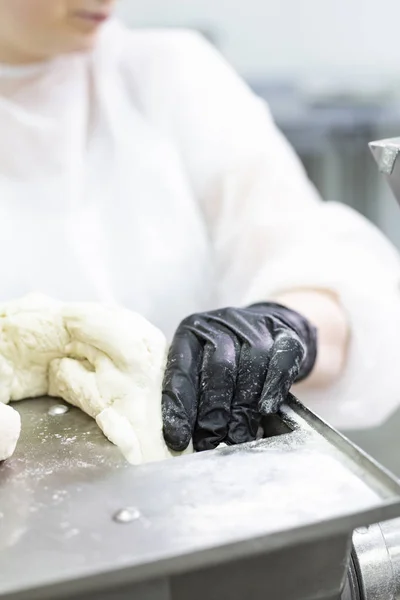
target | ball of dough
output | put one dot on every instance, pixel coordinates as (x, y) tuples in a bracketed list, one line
[(107, 361), (10, 428)]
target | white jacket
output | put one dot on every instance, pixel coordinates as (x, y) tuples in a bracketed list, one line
[(148, 174)]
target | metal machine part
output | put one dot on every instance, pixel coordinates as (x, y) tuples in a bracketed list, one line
[(351, 589), (376, 560), (374, 572), (272, 519), (386, 153)]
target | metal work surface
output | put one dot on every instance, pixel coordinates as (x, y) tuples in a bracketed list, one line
[(61, 493)]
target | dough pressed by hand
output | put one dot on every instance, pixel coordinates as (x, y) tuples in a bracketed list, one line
[(10, 428), (107, 361)]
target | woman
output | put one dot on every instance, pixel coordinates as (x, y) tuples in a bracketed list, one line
[(136, 167)]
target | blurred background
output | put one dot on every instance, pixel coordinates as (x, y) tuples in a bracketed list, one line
[(330, 71)]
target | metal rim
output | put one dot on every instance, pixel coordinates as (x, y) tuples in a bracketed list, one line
[(372, 564)]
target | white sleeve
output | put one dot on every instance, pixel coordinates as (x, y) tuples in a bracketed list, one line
[(270, 230)]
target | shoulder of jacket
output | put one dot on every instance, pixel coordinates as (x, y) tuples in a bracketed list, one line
[(123, 43), (169, 41), (149, 59)]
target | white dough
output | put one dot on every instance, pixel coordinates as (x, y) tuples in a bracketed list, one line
[(10, 428), (107, 361)]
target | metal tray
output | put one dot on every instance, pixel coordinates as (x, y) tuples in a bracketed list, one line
[(60, 493)]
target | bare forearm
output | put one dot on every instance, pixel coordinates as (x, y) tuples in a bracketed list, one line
[(322, 308)]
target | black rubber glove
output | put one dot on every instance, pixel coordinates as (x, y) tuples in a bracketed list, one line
[(227, 368)]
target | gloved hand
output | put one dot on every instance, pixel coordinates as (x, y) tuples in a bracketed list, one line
[(229, 367)]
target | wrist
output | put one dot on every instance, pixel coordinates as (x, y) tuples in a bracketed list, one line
[(323, 309)]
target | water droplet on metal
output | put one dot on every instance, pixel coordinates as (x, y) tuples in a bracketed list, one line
[(58, 409), (127, 515)]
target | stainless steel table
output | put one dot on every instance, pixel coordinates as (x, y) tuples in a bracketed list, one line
[(273, 519)]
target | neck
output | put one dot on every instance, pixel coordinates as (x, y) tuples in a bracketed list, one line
[(16, 56)]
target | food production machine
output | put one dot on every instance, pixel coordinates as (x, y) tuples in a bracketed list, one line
[(300, 515), (290, 517)]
